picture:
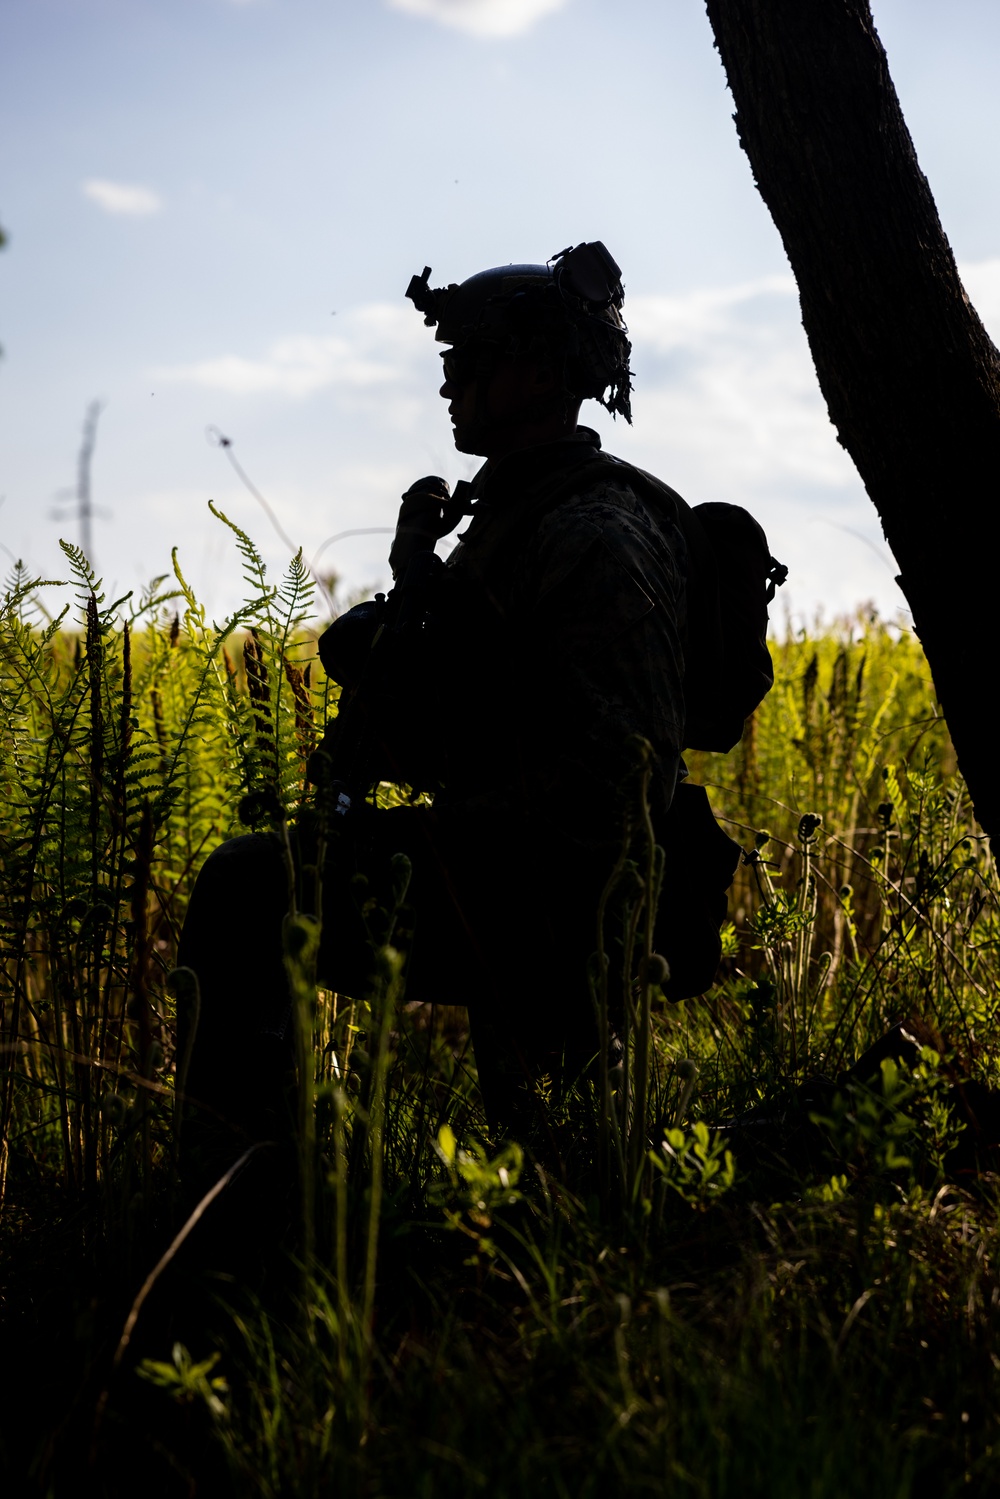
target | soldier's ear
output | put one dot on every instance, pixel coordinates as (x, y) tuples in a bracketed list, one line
[(544, 376)]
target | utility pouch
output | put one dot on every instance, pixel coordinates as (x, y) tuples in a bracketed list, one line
[(700, 861)]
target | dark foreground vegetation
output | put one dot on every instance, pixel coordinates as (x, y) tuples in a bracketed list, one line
[(770, 1268)]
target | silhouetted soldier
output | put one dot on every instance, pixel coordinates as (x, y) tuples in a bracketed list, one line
[(510, 682)]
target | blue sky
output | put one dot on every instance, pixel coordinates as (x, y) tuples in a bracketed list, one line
[(213, 210)]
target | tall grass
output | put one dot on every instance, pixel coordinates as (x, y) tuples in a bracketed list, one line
[(129, 740), (772, 1276)]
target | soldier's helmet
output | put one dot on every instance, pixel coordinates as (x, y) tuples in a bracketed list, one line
[(569, 309)]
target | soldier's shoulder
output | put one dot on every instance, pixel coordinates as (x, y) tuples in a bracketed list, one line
[(633, 483), (607, 527), (613, 496)]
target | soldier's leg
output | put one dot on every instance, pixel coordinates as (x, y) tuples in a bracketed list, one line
[(239, 1083), (536, 1041), (503, 938), (237, 1040), (529, 918)]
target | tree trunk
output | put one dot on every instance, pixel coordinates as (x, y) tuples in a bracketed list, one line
[(911, 379)]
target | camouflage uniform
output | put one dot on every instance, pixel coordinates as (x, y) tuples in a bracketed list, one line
[(555, 632), (554, 635), (580, 610)]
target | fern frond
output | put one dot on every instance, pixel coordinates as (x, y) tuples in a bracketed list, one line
[(86, 579)]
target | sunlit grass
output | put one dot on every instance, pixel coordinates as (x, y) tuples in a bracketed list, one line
[(789, 1287)]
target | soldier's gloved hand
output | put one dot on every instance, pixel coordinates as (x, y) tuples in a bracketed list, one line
[(420, 522)]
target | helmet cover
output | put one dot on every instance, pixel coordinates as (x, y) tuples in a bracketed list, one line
[(570, 307)]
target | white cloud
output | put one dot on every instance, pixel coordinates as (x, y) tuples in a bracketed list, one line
[(727, 407), (481, 17), (725, 388), (374, 349), (295, 366), (676, 322), (727, 397), (724, 378), (121, 197)]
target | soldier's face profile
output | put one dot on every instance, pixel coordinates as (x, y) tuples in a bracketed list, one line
[(462, 396), (503, 416), (461, 366)]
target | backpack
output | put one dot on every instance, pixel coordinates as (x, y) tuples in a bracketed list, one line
[(732, 578)]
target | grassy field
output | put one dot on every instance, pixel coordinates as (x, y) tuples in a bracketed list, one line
[(779, 1278)]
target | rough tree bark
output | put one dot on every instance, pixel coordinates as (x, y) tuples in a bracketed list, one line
[(911, 379)]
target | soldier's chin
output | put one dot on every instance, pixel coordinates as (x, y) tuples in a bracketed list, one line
[(469, 438)]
